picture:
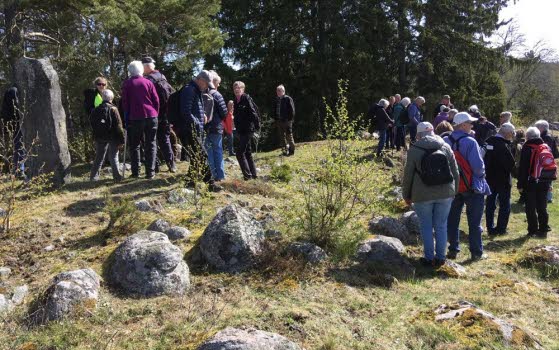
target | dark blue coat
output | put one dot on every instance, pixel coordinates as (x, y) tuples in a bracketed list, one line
[(220, 111), (191, 106)]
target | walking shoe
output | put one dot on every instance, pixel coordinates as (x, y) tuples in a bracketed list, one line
[(541, 235), (291, 153), (172, 168), (479, 257), (150, 176), (134, 176), (452, 254), (213, 187), (438, 262), (425, 262), (531, 234)]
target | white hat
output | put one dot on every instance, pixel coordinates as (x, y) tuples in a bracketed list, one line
[(424, 126), (463, 117), (473, 108)]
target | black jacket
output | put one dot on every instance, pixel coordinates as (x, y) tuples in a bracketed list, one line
[(524, 164), (220, 111), (551, 142), (110, 110), (163, 89), (10, 105), (284, 108), (381, 118), (438, 109), (484, 131), (246, 116), (499, 163)]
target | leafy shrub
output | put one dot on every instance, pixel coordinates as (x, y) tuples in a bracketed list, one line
[(123, 216), (281, 173), (340, 187)]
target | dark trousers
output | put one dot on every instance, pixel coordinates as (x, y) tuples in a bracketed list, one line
[(413, 132), (229, 138), (19, 151), (503, 196), (536, 207), (400, 139), (285, 129), (192, 141), (244, 155), (101, 149), (389, 143), (381, 141), (164, 142), (148, 129)]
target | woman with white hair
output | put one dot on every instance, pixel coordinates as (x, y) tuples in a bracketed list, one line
[(140, 104), (382, 121), (400, 115), (534, 189), (108, 135), (431, 181)]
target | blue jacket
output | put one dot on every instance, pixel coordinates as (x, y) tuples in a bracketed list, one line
[(415, 114), (220, 111), (191, 106), (469, 149)]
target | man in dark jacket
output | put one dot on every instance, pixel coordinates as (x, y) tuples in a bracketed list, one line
[(499, 164), (108, 135), (192, 121), (382, 121), (246, 123), (214, 130), (549, 140), (284, 113), (535, 191), (10, 126), (164, 90)]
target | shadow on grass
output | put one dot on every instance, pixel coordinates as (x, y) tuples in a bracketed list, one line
[(84, 207), (500, 245), (139, 185)]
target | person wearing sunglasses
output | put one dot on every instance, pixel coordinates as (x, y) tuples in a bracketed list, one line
[(92, 97)]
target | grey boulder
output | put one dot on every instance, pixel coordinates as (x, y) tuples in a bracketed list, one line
[(159, 225), (250, 339), (310, 252), (380, 249), (233, 240), (145, 205), (411, 221), (148, 264), (69, 293), (390, 227), (176, 232)]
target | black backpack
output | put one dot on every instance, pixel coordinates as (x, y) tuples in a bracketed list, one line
[(404, 116), (174, 107), (435, 169), (101, 122), (208, 103)]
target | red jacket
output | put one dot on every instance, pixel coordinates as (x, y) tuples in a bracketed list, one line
[(228, 123)]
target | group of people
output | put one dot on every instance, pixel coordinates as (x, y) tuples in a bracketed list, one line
[(464, 160), (190, 124)]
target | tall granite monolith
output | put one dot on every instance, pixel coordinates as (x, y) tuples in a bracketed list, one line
[(44, 119)]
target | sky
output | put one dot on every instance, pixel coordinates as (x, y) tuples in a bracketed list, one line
[(537, 19)]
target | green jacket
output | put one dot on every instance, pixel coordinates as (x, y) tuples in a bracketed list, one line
[(412, 186)]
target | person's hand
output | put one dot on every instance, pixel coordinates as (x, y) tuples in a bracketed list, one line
[(205, 119), (408, 201)]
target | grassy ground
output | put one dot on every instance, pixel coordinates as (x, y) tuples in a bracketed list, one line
[(332, 307)]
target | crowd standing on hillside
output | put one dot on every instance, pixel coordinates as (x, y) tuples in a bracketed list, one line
[(465, 160), (462, 159)]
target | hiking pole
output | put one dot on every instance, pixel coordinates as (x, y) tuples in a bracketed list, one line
[(124, 152)]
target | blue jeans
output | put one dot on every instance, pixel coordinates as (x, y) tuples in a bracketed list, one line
[(433, 215), (503, 195), (474, 214), (381, 141), (214, 147)]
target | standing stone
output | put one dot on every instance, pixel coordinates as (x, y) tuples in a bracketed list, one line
[(69, 293), (391, 227), (148, 264), (251, 339), (43, 118), (233, 240)]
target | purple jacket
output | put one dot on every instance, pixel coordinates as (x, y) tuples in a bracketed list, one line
[(139, 99), (441, 117)]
